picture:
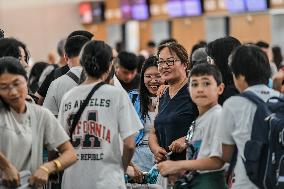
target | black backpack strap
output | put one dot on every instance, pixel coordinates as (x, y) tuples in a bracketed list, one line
[(82, 108), (73, 76), (252, 97), (232, 165)]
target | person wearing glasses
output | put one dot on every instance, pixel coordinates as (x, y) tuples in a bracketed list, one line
[(145, 101), (175, 110), (25, 129)]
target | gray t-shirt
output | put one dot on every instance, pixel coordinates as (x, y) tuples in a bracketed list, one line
[(236, 125), (58, 88), (23, 136)]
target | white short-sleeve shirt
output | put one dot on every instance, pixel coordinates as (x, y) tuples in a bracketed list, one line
[(204, 138), (235, 128), (107, 118), (23, 136), (58, 88)]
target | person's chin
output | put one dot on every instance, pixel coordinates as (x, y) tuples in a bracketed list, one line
[(153, 92), (127, 81)]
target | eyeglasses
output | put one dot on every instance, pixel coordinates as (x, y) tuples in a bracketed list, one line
[(168, 62), (7, 88), (152, 77)]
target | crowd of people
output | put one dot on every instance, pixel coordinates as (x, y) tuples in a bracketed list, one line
[(108, 118)]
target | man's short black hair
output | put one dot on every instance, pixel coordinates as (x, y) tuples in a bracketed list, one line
[(252, 63), (205, 69), (85, 33), (74, 45), (128, 60), (151, 44), (262, 44)]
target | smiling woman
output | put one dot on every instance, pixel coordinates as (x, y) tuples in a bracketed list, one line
[(145, 102), (176, 110), (25, 129)]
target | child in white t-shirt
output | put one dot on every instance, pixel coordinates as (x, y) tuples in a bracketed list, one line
[(204, 150), (251, 72)]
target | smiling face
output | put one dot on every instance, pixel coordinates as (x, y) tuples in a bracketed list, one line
[(13, 91), (152, 79), (204, 91), (170, 66)]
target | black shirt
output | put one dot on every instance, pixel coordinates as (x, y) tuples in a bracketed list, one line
[(174, 118), (51, 77)]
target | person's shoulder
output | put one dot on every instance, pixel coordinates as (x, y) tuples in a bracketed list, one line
[(37, 110), (61, 71), (117, 92), (237, 103), (70, 94), (57, 80)]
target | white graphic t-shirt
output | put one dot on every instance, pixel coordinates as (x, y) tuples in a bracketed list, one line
[(204, 143), (107, 118)]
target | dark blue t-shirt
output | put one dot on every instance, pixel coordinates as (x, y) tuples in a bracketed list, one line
[(174, 118)]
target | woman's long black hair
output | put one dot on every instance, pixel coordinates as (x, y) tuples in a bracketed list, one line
[(143, 91)]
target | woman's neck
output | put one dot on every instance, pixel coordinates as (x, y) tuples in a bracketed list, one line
[(176, 86), (20, 109), (90, 80)]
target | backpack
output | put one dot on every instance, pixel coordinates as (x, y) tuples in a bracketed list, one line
[(264, 152)]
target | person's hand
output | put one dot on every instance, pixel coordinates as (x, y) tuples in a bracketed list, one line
[(160, 154), (134, 173), (39, 178), (178, 145), (170, 168), (11, 177), (138, 175)]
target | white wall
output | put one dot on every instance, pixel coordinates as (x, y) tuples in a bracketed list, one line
[(40, 24)]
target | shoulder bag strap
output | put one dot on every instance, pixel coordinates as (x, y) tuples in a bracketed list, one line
[(73, 76), (82, 108)]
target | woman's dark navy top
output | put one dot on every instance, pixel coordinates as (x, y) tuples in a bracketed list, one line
[(174, 118)]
